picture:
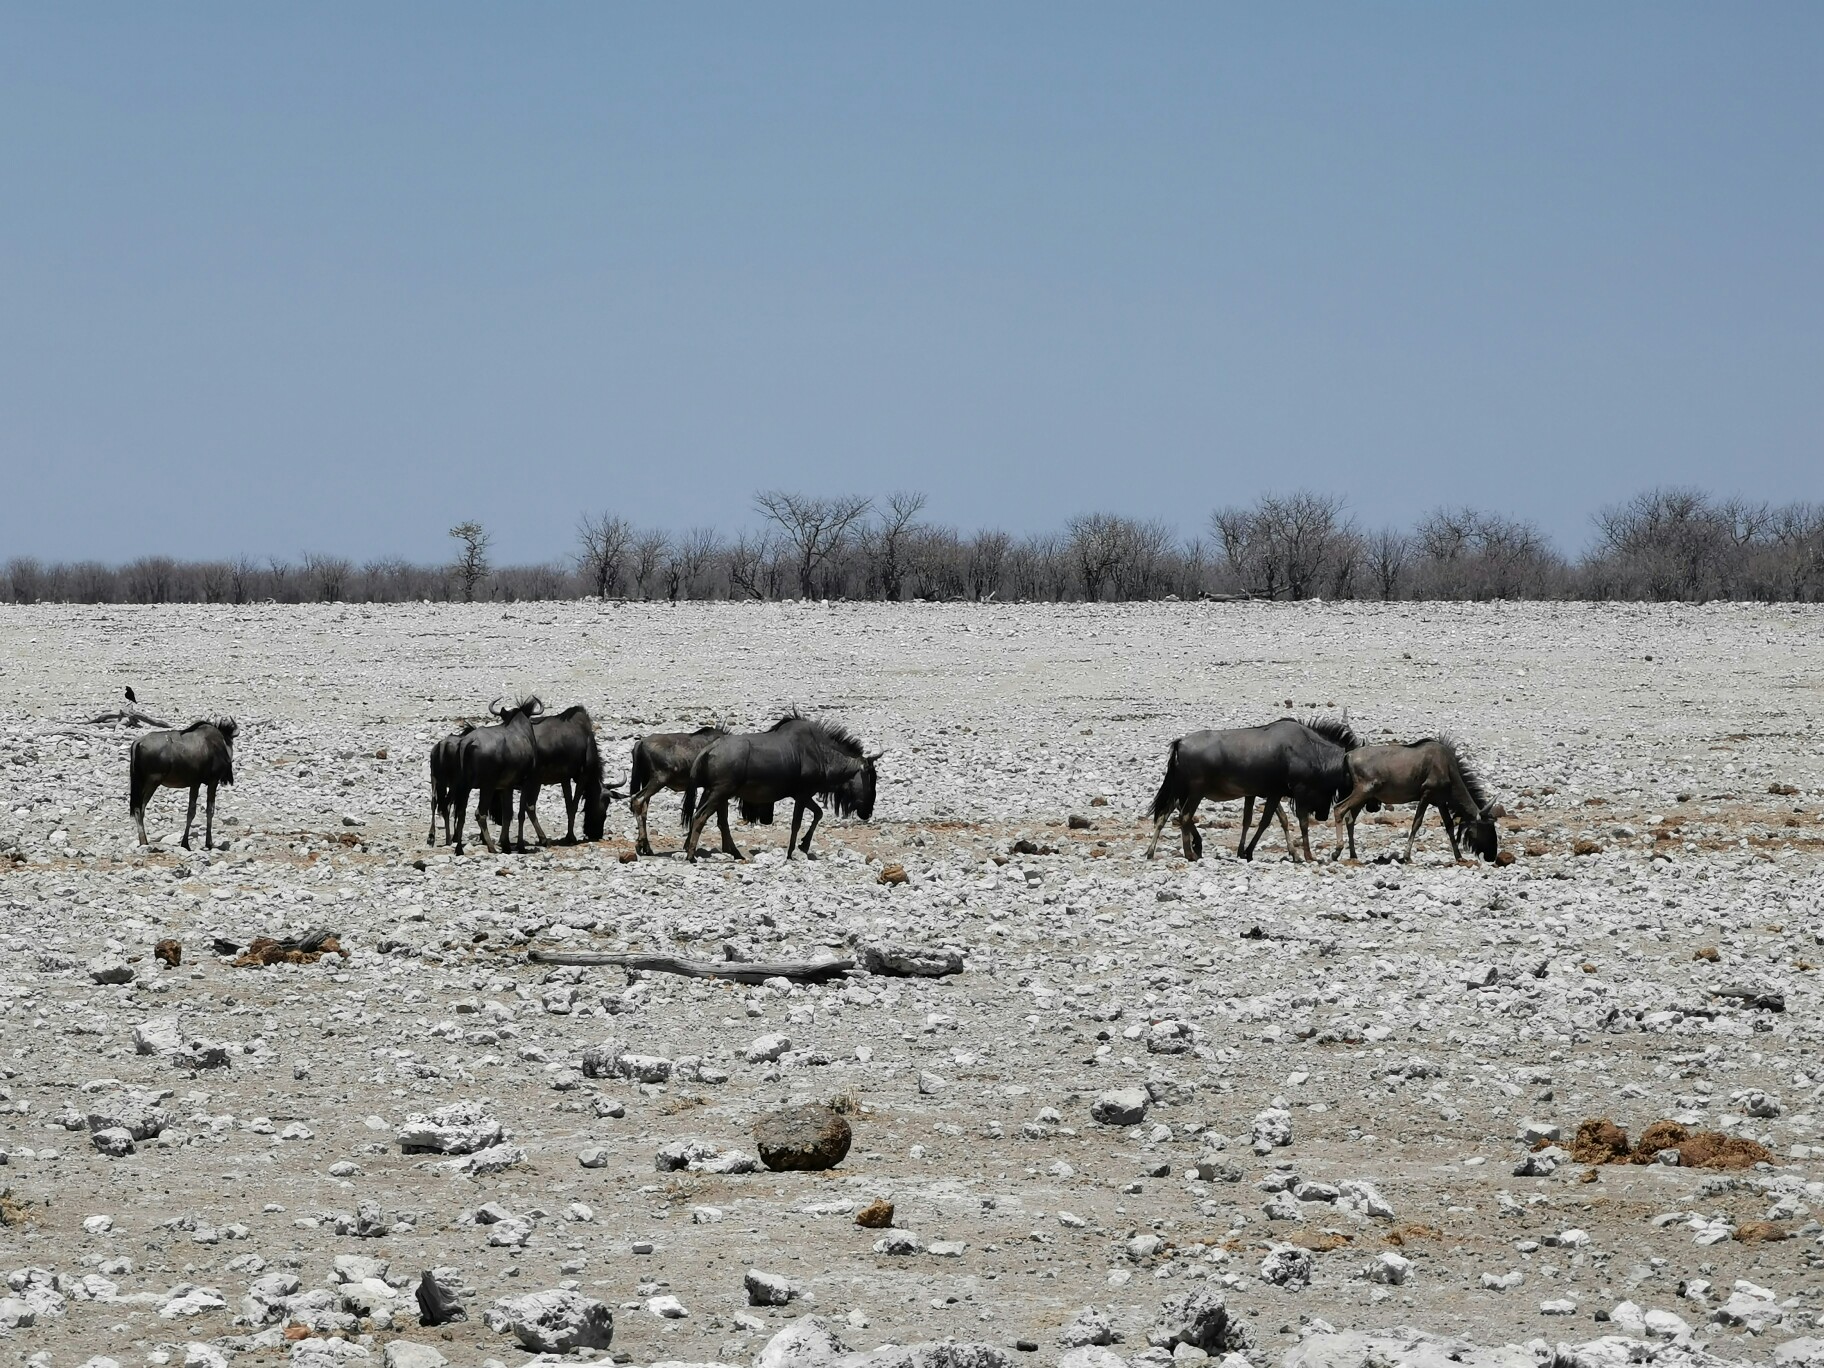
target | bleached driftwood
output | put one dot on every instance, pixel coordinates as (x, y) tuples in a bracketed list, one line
[(733, 971)]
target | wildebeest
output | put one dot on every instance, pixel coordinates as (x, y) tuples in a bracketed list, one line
[(490, 760), (201, 755), (798, 758), (663, 761), (1432, 772), (568, 755), (443, 785), (1287, 759)]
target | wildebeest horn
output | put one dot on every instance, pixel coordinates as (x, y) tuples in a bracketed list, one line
[(1496, 813), (537, 706), (494, 708), (872, 758)]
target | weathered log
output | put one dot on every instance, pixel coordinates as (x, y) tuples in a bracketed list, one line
[(733, 971), (128, 716)]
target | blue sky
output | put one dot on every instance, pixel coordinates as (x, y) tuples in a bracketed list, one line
[(336, 276)]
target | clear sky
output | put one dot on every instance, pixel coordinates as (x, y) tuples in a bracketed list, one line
[(333, 277)]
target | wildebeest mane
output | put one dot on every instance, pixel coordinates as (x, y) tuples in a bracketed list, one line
[(1466, 767), (835, 733), (1332, 729)]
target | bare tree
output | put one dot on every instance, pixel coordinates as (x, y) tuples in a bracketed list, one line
[(648, 554), (813, 529), (327, 576), (471, 565), (747, 561), (884, 544), (603, 543), (1388, 552), (987, 563)]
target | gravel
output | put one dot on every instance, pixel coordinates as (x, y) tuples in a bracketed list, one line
[(1216, 1110)]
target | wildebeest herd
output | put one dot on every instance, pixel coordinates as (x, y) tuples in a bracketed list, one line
[(1318, 766)]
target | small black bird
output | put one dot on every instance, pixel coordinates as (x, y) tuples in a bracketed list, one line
[(130, 697)]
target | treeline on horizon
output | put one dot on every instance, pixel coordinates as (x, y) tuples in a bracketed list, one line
[(1665, 545)]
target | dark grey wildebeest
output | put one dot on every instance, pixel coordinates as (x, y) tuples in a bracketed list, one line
[(443, 786), (199, 756), (1433, 772), (1284, 760), (492, 760), (798, 758), (663, 761), (568, 755)]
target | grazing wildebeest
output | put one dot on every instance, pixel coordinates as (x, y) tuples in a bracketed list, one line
[(568, 755), (798, 758), (1302, 761), (492, 759), (201, 755), (1433, 772), (663, 761)]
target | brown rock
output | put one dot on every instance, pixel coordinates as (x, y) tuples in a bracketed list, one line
[(876, 1215), (801, 1139), (168, 953), (1707, 952), (1583, 845), (629, 856), (893, 874)]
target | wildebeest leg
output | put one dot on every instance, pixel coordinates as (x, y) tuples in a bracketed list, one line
[(573, 794), (642, 844), (1345, 819), (139, 820), (431, 839), (816, 817), (728, 839), (1412, 836), (791, 841), (459, 799), (1285, 827), (209, 820), (1188, 835), (1304, 832), (715, 800), (188, 820), (528, 807), (484, 799), (1246, 850), (1158, 826), (1450, 830)]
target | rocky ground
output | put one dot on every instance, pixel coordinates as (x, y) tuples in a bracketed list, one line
[(1167, 1109)]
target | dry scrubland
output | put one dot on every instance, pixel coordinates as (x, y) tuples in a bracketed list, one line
[(1409, 1021)]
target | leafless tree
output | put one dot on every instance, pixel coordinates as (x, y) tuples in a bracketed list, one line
[(471, 564), (25, 576), (327, 576), (884, 544), (813, 529), (987, 563), (937, 563), (747, 560), (1388, 552), (648, 554), (603, 545), (687, 556)]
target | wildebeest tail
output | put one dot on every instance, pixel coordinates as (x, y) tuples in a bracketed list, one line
[(641, 773), (136, 770), (1172, 789), (690, 801)]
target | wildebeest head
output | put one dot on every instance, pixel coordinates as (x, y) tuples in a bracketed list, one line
[(529, 706), (225, 725), (855, 796), (1480, 835)]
